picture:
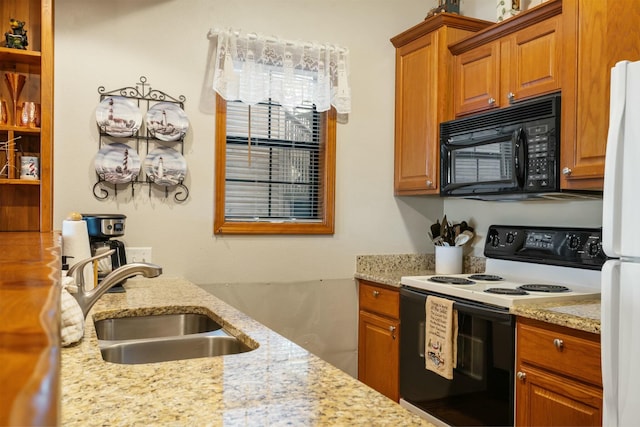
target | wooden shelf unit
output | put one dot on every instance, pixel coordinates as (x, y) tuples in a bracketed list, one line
[(27, 205)]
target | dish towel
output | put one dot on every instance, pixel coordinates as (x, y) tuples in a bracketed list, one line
[(441, 336), (71, 317)]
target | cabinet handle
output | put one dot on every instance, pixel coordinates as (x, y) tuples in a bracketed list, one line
[(558, 343), (429, 183), (376, 293), (392, 329), (491, 101), (566, 171), (521, 376), (511, 97)]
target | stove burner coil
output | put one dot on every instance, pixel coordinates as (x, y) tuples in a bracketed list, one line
[(506, 291), (448, 280), (535, 287), (488, 277)]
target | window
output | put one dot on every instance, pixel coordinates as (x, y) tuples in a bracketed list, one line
[(275, 169)]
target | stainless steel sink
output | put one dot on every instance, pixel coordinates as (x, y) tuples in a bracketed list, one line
[(172, 348), (164, 337), (162, 325)]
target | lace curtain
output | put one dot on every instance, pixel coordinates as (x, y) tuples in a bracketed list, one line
[(253, 68)]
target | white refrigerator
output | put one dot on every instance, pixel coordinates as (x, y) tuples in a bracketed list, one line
[(620, 326)]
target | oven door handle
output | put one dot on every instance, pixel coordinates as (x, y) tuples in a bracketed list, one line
[(483, 312), (520, 142)]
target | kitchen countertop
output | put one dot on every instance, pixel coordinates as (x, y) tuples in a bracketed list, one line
[(388, 269), (277, 383), (583, 315), (29, 332)]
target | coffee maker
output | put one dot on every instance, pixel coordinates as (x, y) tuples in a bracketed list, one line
[(103, 229)]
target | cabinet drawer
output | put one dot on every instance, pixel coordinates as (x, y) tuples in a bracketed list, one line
[(567, 352), (379, 300)]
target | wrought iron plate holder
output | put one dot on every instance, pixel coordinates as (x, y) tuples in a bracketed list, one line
[(145, 96)]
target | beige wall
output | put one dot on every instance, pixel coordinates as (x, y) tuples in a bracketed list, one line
[(113, 43)]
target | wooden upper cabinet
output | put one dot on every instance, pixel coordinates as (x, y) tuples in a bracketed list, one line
[(534, 60), (477, 79), (515, 60), (598, 35), (423, 98)]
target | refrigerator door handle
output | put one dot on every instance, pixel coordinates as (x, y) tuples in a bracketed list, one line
[(609, 327), (613, 168)]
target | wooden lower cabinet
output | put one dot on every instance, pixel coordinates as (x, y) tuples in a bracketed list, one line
[(379, 338), (558, 376)]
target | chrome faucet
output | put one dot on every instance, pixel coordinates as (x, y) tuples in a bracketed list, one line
[(87, 298)]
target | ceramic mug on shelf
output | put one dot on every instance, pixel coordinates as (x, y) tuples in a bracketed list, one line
[(30, 114), (29, 167)]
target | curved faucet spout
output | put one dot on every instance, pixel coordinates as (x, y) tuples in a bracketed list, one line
[(86, 299)]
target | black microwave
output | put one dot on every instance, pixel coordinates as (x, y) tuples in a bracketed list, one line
[(510, 153)]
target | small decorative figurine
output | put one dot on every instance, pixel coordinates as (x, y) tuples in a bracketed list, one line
[(450, 6), (17, 37)]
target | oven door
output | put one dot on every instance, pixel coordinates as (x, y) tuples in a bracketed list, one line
[(487, 162), (482, 389)]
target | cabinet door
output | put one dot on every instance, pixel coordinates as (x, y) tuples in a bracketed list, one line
[(598, 34), (416, 144), (543, 399), (378, 353), (477, 79), (533, 65)]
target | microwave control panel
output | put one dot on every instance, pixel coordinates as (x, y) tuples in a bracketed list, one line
[(541, 155)]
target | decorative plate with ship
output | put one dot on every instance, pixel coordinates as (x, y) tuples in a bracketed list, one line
[(117, 163), (166, 121), (118, 116), (165, 166)]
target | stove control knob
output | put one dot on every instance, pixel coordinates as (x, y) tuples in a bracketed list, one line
[(510, 237), (593, 249), (495, 240), (574, 242)]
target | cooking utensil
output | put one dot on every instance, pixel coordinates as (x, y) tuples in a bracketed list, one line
[(435, 229)]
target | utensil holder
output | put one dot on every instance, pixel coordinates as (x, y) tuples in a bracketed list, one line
[(448, 259)]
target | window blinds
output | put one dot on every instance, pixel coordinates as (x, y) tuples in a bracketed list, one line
[(273, 163)]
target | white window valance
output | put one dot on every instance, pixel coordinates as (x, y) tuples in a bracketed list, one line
[(253, 68)]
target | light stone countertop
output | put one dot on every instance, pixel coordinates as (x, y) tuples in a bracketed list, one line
[(583, 315), (279, 383)]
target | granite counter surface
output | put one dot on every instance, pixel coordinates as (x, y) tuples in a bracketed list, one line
[(278, 383), (583, 314)]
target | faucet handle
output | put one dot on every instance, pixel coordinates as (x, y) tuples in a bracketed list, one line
[(79, 278)]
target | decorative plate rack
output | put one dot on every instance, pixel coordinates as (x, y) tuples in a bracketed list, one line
[(135, 118)]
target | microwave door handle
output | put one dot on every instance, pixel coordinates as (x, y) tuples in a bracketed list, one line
[(520, 142)]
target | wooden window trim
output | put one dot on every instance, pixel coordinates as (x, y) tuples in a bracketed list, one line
[(221, 226)]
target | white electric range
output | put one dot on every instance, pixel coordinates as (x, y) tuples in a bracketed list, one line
[(562, 263)]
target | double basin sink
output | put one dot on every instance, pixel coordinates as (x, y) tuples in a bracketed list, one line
[(164, 337)]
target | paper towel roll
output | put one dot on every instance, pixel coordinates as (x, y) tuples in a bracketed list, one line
[(75, 245)]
